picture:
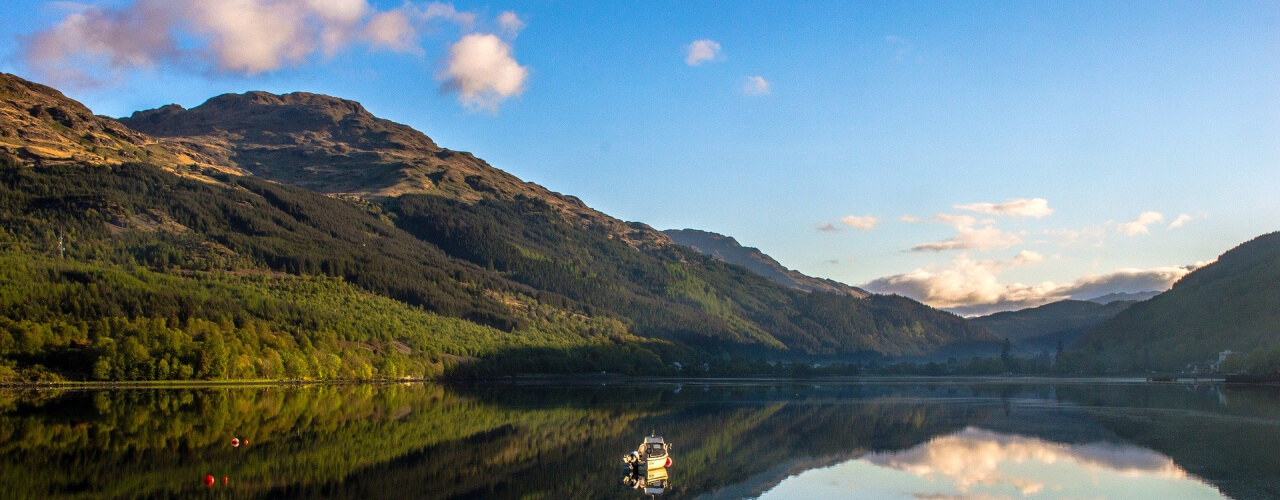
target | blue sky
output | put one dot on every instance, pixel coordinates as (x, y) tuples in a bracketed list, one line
[(1105, 111)]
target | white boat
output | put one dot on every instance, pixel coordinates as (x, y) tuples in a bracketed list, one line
[(654, 453)]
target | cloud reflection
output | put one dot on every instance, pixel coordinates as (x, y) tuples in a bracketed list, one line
[(977, 464), (976, 456)]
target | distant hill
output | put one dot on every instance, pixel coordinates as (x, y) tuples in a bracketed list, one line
[(1041, 328), (728, 249), (1123, 296), (299, 236), (1233, 303)]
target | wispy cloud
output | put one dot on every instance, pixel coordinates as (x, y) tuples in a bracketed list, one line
[(827, 227), (1022, 207), (1182, 220), (969, 237), (702, 51), (756, 85), (1093, 236), (510, 23), (1139, 225)]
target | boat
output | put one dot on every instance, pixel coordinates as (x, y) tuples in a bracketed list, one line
[(651, 481), (653, 453)]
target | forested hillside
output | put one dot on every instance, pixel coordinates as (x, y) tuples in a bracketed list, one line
[(1233, 303), (132, 270), (1046, 327)]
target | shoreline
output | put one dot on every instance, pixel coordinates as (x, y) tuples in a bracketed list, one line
[(595, 379)]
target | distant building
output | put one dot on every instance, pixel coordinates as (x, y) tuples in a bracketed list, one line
[(1222, 358)]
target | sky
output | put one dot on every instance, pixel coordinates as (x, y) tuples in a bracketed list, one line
[(975, 156)]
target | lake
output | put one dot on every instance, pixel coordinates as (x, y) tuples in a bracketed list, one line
[(879, 438)]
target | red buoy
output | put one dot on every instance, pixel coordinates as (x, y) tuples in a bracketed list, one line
[(208, 480), (224, 479), (668, 462), (235, 442)]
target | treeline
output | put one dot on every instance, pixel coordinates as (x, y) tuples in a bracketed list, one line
[(671, 292), (63, 320), (168, 260)]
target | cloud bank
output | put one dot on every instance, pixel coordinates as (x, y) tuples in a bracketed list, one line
[(972, 287), (96, 45)]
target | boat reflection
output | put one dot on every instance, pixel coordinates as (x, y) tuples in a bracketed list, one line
[(653, 481)]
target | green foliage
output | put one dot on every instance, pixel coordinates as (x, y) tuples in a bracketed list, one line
[(1232, 304), (166, 277)]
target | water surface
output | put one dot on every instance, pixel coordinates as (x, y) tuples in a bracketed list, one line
[(879, 438)]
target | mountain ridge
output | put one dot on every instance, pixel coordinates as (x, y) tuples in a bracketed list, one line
[(1230, 304), (524, 280), (728, 249), (335, 146)]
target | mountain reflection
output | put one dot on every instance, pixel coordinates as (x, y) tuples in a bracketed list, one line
[(775, 440)]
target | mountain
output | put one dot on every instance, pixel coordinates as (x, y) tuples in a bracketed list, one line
[(727, 249), (1041, 328), (299, 237), (335, 146), (1233, 303), (1124, 296), (40, 126)]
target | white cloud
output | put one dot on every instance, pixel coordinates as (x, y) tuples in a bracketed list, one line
[(956, 221), (909, 219), (445, 11), (392, 30), (1021, 207), (865, 223), (482, 71), (701, 51), (92, 45), (1182, 220), (110, 38), (1139, 225), (756, 85), (973, 287), (510, 23)]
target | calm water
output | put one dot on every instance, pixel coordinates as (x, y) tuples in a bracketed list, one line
[(861, 439)]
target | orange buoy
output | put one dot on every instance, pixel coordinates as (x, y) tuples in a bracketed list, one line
[(235, 442), (208, 480)]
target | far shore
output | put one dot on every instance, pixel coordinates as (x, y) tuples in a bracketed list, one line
[(595, 379)]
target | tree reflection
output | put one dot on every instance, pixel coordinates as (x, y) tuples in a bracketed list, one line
[(488, 441)]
